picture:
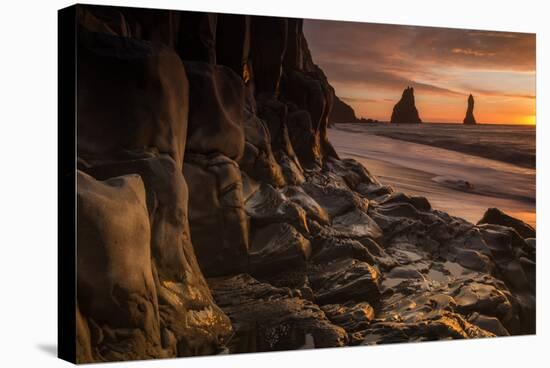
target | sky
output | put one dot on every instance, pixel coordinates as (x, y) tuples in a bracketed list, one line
[(370, 65)]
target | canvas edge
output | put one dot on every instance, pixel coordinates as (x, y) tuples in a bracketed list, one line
[(66, 200)]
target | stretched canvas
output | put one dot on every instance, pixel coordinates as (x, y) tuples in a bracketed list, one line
[(234, 184)]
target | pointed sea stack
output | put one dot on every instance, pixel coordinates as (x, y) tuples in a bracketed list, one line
[(469, 119), (405, 112)]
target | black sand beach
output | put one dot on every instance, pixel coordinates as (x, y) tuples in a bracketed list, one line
[(457, 180)]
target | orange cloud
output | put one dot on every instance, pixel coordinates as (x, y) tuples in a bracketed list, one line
[(370, 65), (471, 52)]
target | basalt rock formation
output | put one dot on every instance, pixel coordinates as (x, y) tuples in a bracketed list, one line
[(469, 119), (497, 217), (405, 112), (215, 216), (341, 112)]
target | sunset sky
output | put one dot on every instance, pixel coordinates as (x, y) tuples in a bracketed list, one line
[(369, 65)]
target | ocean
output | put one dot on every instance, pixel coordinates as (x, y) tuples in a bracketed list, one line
[(461, 169)]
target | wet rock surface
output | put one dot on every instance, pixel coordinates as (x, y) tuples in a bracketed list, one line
[(278, 247), (497, 217), (268, 318), (226, 172), (345, 280)]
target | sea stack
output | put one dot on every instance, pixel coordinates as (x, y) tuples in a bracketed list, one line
[(469, 119), (405, 112)]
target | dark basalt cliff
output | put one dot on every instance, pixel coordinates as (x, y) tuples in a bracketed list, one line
[(214, 215), (341, 112), (469, 119), (405, 112)]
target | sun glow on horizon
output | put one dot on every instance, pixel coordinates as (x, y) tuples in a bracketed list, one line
[(529, 120), (444, 66)]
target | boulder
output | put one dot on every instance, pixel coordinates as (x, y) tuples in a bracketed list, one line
[(278, 247), (356, 224), (333, 195), (515, 261), (490, 324), (328, 245), (268, 205), (115, 283), (352, 317), (497, 217), (418, 202), (301, 198), (354, 175), (268, 318), (345, 280)]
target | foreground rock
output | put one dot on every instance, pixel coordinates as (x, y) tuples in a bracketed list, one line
[(497, 217), (469, 119), (268, 318), (405, 112), (115, 279), (150, 299), (225, 155), (345, 280)]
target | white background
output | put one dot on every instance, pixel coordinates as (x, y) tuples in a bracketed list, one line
[(28, 186)]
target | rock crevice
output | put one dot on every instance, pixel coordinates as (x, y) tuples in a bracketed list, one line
[(208, 132)]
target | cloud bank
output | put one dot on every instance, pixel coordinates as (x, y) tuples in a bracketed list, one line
[(369, 63)]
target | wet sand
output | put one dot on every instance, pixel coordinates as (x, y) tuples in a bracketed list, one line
[(514, 144), (458, 183)]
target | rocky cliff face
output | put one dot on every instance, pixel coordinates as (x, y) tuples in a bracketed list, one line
[(469, 119), (341, 112), (202, 151), (405, 112)]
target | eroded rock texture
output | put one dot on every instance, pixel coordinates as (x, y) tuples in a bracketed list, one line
[(203, 151), (141, 293)]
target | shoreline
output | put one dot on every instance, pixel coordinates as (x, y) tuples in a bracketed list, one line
[(424, 170), (479, 149)]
